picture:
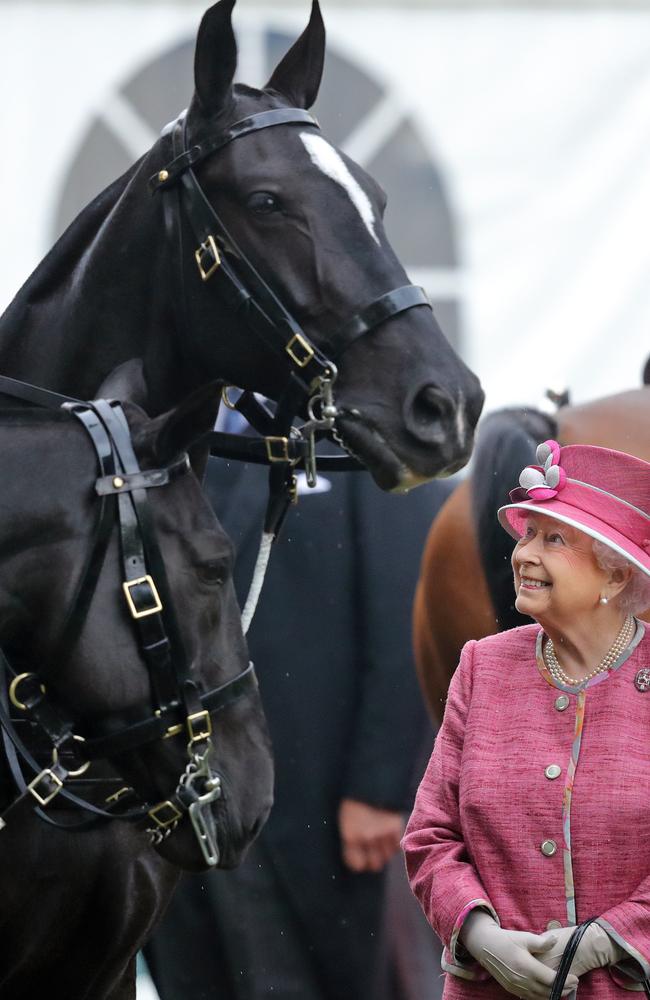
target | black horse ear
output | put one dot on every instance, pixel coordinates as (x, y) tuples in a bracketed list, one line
[(185, 428), (215, 57), (126, 382), (297, 77)]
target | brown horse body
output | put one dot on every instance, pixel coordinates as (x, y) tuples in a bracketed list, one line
[(452, 602)]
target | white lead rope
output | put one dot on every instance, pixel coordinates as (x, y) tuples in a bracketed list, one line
[(258, 579)]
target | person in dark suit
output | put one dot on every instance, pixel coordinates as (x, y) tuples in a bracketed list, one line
[(303, 917)]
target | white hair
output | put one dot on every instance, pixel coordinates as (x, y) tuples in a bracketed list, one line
[(326, 158), (635, 596)]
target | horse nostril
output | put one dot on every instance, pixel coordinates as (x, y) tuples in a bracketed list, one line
[(431, 411)]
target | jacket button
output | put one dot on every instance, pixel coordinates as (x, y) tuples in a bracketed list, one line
[(553, 771), (553, 925), (562, 702), (548, 847)]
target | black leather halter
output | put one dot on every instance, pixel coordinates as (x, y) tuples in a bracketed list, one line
[(179, 706), (311, 371)]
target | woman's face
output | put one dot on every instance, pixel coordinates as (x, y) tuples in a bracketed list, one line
[(556, 574)]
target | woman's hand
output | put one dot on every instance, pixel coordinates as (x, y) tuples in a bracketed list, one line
[(596, 949), (510, 956)]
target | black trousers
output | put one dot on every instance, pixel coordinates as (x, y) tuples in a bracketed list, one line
[(230, 936)]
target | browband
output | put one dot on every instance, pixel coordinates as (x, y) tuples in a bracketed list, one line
[(253, 123)]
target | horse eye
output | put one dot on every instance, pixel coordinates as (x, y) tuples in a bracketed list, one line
[(263, 203), (212, 572)]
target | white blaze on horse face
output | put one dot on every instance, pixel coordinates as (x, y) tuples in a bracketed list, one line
[(460, 420), (330, 163)]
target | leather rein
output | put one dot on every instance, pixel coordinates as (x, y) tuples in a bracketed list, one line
[(311, 371), (178, 704)]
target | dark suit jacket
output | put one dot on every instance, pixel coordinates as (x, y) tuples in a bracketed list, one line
[(332, 646)]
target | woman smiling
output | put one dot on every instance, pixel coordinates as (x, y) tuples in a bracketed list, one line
[(531, 814)]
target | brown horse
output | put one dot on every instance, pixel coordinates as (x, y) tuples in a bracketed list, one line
[(456, 599)]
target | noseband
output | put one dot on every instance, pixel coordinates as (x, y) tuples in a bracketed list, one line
[(179, 705), (311, 371)]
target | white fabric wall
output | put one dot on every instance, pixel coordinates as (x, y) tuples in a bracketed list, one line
[(540, 122)]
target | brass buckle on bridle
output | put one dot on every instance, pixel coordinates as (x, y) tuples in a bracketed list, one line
[(127, 587), (300, 350), (199, 726), (277, 449), (208, 247), (165, 814), (55, 785)]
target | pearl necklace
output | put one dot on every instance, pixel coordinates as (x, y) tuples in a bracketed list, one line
[(621, 642)]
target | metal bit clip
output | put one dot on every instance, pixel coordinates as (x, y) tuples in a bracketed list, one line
[(204, 824)]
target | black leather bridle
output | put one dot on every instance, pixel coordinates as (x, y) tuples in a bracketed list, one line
[(311, 372), (178, 704)]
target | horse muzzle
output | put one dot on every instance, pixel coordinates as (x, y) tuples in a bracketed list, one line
[(434, 438)]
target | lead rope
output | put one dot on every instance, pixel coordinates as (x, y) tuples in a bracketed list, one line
[(261, 565), (322, 413)]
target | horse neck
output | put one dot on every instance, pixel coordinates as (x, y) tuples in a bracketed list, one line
[(100, 297), (619, 422), (46, 467)]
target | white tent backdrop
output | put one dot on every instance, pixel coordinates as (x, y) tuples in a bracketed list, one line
[(538, 121)]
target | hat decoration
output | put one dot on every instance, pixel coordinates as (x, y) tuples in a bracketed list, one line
[(543, 481)]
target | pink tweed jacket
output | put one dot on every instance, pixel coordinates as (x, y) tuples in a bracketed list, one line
[(536, 805)]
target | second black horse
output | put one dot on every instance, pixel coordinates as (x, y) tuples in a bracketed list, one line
[(87, 668)]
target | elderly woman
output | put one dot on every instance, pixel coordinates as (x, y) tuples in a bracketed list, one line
[(535, 807)]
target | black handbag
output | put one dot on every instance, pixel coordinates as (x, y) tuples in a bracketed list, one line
[(567, 957)]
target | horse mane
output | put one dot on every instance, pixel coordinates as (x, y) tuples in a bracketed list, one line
[(506, 442), (60, 259), (28, 414)]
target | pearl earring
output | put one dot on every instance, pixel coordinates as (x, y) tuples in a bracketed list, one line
[(604, 600)]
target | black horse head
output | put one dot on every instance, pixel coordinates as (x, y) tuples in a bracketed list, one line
[(310, 221), (102, 680), (300, 225)]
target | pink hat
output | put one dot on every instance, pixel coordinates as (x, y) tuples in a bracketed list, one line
[(602, 492)]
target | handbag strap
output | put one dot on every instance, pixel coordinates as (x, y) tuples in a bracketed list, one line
[(567, 958)]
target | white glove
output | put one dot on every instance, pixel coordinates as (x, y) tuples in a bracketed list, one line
[(596, 949), (509, 956)]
